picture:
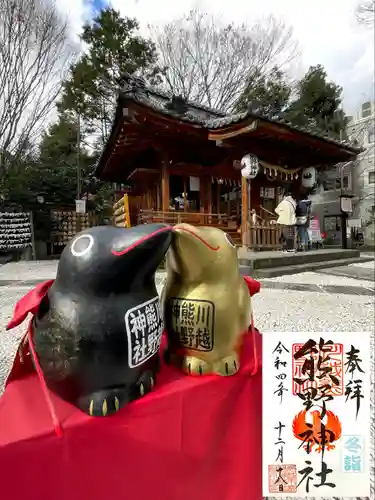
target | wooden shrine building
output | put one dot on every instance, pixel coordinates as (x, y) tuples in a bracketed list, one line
[(181, 161)]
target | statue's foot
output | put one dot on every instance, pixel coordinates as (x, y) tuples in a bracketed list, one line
[(227, 366), (190, 365), (103, 403), (196, 366)]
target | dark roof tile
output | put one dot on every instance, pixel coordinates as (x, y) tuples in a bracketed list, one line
[(136, 89)]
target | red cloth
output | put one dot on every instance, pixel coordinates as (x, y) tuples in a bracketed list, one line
[(252, 284), (193, 437), (30, 303)]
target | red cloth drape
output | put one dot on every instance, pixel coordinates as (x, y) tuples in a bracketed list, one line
[(193, 437)]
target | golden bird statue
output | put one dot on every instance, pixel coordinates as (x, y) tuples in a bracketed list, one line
[(206, 302)]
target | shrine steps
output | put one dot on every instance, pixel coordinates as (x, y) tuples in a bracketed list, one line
[(272, 264)]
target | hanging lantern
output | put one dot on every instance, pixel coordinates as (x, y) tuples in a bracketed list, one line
[(309, 177), (250, 166)]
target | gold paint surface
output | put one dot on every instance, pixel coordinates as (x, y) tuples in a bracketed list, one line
[(193, 322), (91, 407), (206, 302), (104, 408)]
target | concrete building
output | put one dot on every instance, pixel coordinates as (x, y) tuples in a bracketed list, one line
[(355, 180), (362, 128)]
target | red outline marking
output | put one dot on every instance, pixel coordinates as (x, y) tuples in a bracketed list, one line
[(215, 249), (139, 242)]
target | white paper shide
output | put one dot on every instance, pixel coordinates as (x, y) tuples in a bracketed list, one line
[(316, 414)]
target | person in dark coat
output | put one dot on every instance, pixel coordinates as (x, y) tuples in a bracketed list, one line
[(303, 216)]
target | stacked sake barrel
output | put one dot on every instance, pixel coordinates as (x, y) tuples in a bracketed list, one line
[(121, 216)]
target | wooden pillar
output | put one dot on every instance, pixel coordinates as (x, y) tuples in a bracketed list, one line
[(185, 193), (238, 205), (218, 193), (202, 194), (165, 186), (158, 196), (209, 194), (245, 211)]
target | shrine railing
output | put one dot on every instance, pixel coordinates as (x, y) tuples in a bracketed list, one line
[(195, 218), (263, 235), (266, 214)]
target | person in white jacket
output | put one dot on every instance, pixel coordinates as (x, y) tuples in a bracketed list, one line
[(286, 210)]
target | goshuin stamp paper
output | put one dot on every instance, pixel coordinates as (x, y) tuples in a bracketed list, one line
[(316, 414)]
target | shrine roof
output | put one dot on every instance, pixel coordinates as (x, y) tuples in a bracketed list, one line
[(167, 103), (140, 104), (233, 119), (209, 118)]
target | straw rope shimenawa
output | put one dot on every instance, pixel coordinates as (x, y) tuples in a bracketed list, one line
[(274, 170)]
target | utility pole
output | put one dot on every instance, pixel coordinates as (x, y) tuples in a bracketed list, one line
[(344, 215), (78, 215), (78, 155)]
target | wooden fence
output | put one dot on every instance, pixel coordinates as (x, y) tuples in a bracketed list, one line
[(194, 218), (263, 235)]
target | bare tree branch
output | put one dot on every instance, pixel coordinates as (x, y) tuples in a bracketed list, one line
[(34, 57), (211, 63), (365, 12)]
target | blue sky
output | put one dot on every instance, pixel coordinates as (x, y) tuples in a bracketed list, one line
[(97, 5)]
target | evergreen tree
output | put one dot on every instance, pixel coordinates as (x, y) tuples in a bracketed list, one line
[(314, 103), (318, 104), (113, 48), (51, 171)]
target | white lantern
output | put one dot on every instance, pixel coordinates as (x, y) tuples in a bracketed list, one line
[(309, 177), (250, 166)]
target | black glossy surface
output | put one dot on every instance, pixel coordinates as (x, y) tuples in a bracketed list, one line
[(80, 335)]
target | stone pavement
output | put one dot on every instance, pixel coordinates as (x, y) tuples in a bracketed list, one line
[(358, 272), (302, 302)]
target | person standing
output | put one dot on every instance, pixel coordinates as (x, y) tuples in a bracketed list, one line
[(303, 216), (286, 210)]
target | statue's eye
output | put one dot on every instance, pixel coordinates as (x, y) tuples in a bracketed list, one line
[(229, 240), (82, 245)]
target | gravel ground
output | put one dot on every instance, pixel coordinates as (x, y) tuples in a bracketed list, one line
[(275, 310), (323, 279), (34, 270)]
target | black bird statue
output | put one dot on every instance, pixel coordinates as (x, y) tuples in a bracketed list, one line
[(98, 330)]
